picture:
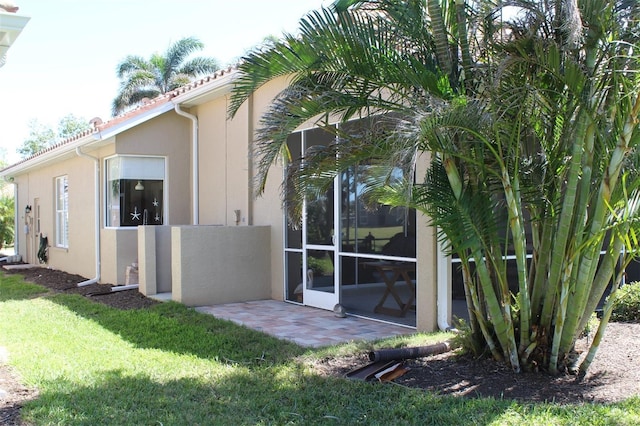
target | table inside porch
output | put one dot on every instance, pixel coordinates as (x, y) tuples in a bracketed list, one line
[(390, 272)]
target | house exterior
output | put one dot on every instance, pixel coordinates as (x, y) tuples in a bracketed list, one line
[(167, 189), (11, 25)]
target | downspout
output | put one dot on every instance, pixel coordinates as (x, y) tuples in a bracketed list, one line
[(443, 299), (97, 214), (195, 161)]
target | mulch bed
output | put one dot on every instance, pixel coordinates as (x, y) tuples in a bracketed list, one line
[(613, 376)]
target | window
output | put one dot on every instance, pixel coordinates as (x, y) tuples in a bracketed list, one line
[(135, 190), (62, 212)]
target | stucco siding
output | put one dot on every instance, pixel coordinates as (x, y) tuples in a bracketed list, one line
[(267, 209), (219, 264), (37, 189), (214, 189), (167, 135)]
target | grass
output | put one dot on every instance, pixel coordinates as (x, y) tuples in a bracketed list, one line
[(170, 365)]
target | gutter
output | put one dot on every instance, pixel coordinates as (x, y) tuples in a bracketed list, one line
[(97, 214), (195, 160)]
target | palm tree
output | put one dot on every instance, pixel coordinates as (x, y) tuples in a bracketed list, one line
[(141, 78), (541, 127)]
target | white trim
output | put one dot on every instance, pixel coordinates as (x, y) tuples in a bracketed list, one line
[(136, 120), (219, 86), (61, 235), (68, 149), (165, 189)]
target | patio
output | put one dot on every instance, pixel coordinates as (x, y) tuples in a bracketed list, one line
[(303, 325)]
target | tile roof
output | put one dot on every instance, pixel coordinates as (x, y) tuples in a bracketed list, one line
[(149, 105)]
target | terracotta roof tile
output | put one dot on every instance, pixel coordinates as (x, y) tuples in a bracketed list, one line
[(201, 82), (100, 126)]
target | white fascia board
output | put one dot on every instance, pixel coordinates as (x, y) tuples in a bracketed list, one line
[(11, 25), (68, 149), (51, 156), (134, 121), (208, 91)]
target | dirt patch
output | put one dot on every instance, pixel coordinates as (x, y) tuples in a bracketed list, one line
[(613, 376)]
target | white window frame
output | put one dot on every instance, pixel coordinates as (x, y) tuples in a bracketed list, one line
[(106, 220), (62, 211)]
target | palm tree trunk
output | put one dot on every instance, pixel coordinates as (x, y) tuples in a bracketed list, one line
[(499, 312), (617, 158), (563, 231), (516, 224), (463, 41), (440, 36)]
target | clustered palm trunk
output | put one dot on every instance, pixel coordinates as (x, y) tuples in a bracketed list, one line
[(530, 117)]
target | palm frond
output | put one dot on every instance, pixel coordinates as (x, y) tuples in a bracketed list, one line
[(199, 66)]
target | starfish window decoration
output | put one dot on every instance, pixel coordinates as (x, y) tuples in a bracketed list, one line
[(157, 217), (155, 202), (135, 215)]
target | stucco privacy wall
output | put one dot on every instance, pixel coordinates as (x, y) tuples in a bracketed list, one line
[(220, 264), (154, 259)]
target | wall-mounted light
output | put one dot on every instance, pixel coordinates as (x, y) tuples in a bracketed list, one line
[(139, 186), (27, 209)]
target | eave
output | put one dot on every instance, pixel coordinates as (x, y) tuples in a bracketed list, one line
[(103, 134), (11, 25)]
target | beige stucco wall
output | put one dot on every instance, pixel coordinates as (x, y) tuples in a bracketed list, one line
[(227, 174), (220, 264), (427, 265), (168, 135), (267, 208), (119, 250), (154, 259), (37, 188)]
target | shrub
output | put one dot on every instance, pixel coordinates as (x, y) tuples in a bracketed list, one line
[(627, 307), (6, 220)]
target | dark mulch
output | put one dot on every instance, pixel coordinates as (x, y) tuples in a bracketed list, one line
[(613, 376)]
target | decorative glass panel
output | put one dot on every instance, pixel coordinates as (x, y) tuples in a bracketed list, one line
[(135, 191)]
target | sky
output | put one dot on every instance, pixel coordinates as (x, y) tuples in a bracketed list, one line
[(64, 60)]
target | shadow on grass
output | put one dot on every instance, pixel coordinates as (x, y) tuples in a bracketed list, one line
[(272, 396), (13, 287), (243, 397), (176, 328)]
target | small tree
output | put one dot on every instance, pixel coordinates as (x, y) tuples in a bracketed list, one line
[(42, 136), (6, 220)]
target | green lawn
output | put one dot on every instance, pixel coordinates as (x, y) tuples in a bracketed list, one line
[(170, 365)]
